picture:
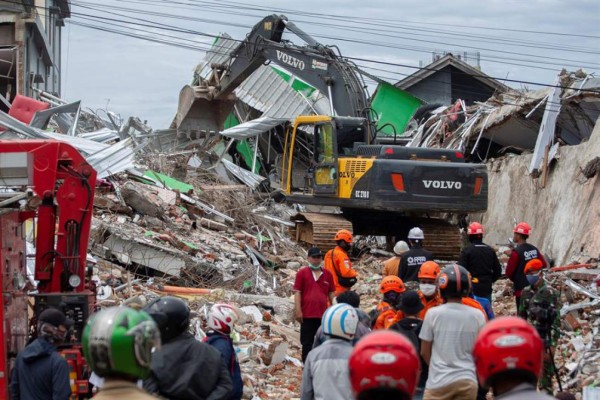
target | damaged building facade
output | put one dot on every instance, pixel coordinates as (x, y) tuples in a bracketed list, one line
[(30, 46)]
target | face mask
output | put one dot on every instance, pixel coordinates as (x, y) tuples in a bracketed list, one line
[(428, 289), (314, 267), (532, 279), (391, 297)]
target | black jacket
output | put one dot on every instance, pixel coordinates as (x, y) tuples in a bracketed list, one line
[(481, 261), (411, 261), (186, 369), (411, 328), (40, 373)]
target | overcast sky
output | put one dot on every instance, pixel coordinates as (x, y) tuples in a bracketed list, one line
[(142, 78)]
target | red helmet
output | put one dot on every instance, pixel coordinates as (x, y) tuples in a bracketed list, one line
[(343, 234), (392, 283), (384, 359), (475, 228), (508, 344), (523, 228), (533, 266)]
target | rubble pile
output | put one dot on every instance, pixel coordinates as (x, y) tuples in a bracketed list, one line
[(576, 354)]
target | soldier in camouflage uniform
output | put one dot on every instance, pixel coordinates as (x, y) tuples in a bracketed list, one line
[(540, 305)]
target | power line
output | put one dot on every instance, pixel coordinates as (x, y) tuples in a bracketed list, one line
[(371, 31), (350, 58), (353, 58), (165, 26), (466, 88), (388, 22)]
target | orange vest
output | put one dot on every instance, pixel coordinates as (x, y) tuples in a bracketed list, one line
[(339, 262), (427, 304), (386, 313), (467, 301)]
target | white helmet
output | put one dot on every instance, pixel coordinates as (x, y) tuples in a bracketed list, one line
[(416, 234), (401, 247), (221, 317), (340, 320)]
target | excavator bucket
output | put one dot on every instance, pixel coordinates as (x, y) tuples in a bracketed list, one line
[(198, 110)]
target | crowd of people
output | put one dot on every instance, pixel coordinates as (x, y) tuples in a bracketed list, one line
[(437, 320), (432, 336)]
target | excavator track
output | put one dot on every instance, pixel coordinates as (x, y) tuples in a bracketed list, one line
[(318, 229), (441, 238)]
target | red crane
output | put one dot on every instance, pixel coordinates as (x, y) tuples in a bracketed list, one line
[(61, 202)]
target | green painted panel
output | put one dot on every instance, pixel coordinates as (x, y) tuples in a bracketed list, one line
[(394, 106)]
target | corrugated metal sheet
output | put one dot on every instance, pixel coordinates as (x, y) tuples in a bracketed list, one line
[(253, 128), (264, 90)]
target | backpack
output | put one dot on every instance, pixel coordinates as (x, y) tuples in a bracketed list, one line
[(411, 329)]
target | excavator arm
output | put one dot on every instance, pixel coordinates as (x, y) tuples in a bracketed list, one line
[(314, 63)]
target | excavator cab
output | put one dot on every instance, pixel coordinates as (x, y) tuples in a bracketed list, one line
[(313, 147)]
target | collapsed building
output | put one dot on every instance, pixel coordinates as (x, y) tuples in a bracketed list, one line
[(191, 211)]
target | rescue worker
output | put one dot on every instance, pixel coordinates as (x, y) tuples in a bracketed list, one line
[(430, 296), (384, 365), (540, 306), (390, 266), (39, 372), (338, 263), (313, 293), (410, 326), (364, 322), (117, 345), (508, 356), (326, 374), (447, 337), (221, 319), (412, 260), (184, 368), (481, 261), (521, 255), (428, 291), (392, 288)]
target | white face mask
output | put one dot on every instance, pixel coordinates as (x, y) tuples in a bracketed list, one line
[(427, 289)]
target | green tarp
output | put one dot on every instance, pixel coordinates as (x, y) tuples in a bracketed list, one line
[(393, 106), (169, 182)]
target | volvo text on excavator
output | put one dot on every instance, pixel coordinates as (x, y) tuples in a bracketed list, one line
[(381, 189)]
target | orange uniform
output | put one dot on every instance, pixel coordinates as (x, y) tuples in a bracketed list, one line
[(386, 314), (337, 263), (467, 301), (390, 266), (429, 303)]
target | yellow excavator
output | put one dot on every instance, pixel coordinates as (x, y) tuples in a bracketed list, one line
[(380, 189)]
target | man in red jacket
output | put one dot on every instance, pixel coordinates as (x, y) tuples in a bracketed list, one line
[(313, 292), (521, 255)]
